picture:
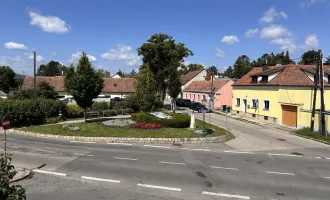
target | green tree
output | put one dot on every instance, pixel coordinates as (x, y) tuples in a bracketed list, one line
[(44, 91), (213, 69), (189, 68), (120, 73), (162, 55), (229, 72), (9, 191), (53, 68), (103, 73), (272, 59), (133, 74), (308, 58), (7, 79), (83, 83), (146, 88), (327, 61), (242, 66)]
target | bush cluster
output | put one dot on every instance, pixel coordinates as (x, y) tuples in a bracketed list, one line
[(178, 120), (30, 112), (73, 111)]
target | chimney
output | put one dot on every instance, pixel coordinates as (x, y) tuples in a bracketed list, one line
[(265, 66)]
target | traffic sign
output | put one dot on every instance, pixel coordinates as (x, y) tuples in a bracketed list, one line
[(5, 122)]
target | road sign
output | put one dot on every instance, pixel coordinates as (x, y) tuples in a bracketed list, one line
[(5, 122)]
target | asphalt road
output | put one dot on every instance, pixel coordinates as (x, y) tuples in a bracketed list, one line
[(153, 171)]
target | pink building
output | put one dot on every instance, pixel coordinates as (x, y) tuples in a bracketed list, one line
[(222, 92)]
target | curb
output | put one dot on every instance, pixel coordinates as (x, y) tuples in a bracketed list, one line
[(241, 119), (317, 140), (26, 174), (218, 139)]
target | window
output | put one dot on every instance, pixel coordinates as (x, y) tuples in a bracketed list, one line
[(254, 115), (186, 96), (264, 79), (265, 117), (254, 103), (266, 105), (194, 96), (203, 96), (190, 96), (238, 101), (254, 79), (198, 97)]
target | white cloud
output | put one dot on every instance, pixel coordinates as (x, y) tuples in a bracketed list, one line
[(271, 15), (122, 53), (307, 3), (74, 58), (274, 31), (311, 42), (251, 32), (220, 53), (186, 62), (230, 39), (286, 44), (53, 53), (39, 58), (16, 46), (50, 24), (21, 62)]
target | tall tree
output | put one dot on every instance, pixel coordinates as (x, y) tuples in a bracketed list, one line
[(163, 55), (272, 59), (146, 88), (213, 69), (53, 68), (242, 66), (327, 61), (229, 72), (7, 79), (83, 83), (133, 74), (120, 73), (104, 73), (308, 58), (189, 68)]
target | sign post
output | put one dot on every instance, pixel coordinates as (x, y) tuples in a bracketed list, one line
[(5, 126)]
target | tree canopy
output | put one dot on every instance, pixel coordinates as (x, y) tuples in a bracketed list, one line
[(162, 55), (308, 58), (44, 90), (53, 68), (327, 61), (242, 66), (83, 82), (229, 72), (7, 79), (212, 69), (272, 59), (190, 67)]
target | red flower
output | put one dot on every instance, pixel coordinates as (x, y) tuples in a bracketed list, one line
[(143, 125)]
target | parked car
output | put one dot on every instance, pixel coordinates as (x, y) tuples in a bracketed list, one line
[(179, 101), (186, 103), (196, 106), (204, 109)]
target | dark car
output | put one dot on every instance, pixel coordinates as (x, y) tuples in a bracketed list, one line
[(196, 106), (179, 101), (204, 110), (186, 103)]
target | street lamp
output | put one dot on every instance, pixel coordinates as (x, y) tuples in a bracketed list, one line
[(204, 101)]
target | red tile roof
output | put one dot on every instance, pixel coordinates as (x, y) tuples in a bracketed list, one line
[(205, 85), (289, 75), (185, 78), (111, 85)]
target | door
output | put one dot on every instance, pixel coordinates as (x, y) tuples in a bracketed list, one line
[(244, 105), (289, 115)]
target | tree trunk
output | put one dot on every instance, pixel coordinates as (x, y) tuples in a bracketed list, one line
[(85, 114)]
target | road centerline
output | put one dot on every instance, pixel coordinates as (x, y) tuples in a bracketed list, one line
[(75, 141), (116, 143), (288, 155), (196, 149), (121, 158), (147, 145), (100, 179), (239, 152), (48, 172), (280, 173), (229, 168), (173, 163), (226, 195), (159, 187)]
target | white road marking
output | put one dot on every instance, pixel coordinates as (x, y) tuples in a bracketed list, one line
[(226, 195), (239, 152), (90, 155), (318, 157), (173, 163), (165, 147), (79, 154), (126, 144), (48, 172), (327, 158), (327, 177), (281, 173), (215, 167), (289, 155), (196, 149), (100, 179), (82, 142), (45, 151), (159, 187), (14, 147), (124, 158)]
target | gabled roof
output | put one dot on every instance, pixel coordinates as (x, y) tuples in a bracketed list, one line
[(185, 78), (205, 86), (290, 75), (111, 85), (3, 93)]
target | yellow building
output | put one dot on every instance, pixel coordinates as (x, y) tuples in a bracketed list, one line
[(280, 94)]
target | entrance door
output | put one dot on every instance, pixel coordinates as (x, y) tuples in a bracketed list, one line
[(289, 115), (244, 105)]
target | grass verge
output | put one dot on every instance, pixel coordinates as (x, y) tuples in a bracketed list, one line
[(305, 132), (100, 130)]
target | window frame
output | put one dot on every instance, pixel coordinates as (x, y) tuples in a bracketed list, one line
[(264, 105), (238, 101), (253, 103)]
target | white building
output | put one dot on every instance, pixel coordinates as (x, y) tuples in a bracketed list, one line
[(3, 95)]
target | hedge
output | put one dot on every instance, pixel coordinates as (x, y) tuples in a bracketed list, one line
[(73, 111), (178, 120), (30, 112)]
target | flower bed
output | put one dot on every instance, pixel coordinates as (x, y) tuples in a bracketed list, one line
[(143, 125), (119, 122)]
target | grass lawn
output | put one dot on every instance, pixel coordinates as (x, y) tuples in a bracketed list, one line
[(100, 130), (315, 135)]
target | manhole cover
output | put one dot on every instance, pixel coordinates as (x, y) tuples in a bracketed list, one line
[(297, 153), (281, 139), (200, 174), (280, 194)]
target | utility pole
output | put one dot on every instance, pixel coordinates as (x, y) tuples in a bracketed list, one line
[(34, 70), (322, 94), (316, 82)]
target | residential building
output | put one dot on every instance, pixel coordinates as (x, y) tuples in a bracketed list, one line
[(198, 90), (113, 87), (280, 94), (3, 95)]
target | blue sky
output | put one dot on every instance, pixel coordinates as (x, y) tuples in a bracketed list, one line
[(110, 31)]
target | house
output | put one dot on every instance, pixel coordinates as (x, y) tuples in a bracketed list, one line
[(113, 87), (281, 94), (198, 90), (3, 95), (116, 76)]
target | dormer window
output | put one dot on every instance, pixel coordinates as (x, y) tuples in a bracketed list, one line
[(328, 78), (264, 79), (254, 79)]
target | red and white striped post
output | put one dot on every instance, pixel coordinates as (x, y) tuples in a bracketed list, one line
[(5, 126)]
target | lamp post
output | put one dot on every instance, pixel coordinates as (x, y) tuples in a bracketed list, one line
[(204, 101)]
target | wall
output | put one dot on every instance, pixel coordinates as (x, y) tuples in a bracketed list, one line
[(200, 77), (224, 95)]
